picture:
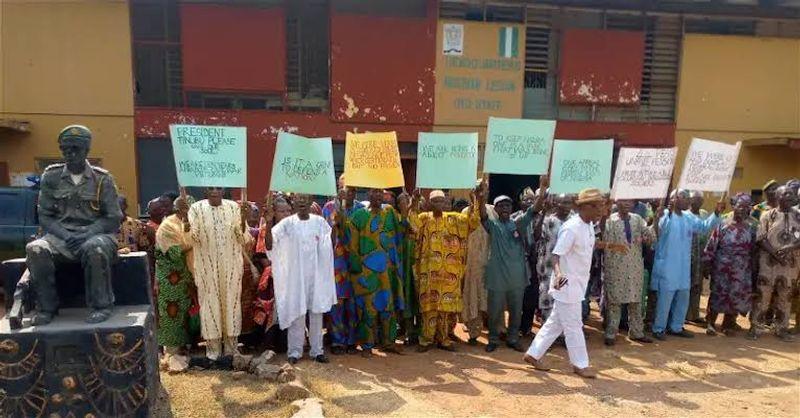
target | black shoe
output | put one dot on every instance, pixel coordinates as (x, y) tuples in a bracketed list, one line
[(659, 336), (516, 347), (322, 358), (491, 347), (683, 334), (450, 347), (351, 349), (609, 341), (337, 350), (473, 342), (42, 318), (411, 341), (643, 339), (293, 360)]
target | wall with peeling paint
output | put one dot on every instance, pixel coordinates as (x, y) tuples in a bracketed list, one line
[(602, 67), (262, 132), (382, 69)]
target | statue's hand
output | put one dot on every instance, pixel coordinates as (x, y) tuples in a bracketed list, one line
[(74, 241)]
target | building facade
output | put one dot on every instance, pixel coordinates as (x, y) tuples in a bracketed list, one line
[(65, 63), (650, 74)]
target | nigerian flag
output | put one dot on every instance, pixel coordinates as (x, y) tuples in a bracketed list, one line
[(509, 42)]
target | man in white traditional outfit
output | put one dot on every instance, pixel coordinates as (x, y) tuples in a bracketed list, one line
[(218, 240), (301, 250), (572, 259)]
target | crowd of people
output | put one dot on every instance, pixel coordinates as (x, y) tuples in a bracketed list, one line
[(398, 271)]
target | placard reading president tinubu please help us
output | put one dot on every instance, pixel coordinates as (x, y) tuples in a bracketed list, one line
[(210, 156)]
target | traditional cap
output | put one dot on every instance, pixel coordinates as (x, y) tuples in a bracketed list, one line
[(501, 198), (527, 192), (769, 184), (436, 193), (77, 132), (589, 196), (743, 199)]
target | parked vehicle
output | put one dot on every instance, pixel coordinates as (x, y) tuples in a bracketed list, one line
[(19, 222)]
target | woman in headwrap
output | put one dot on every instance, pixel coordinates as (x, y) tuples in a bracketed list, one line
[(731, 253), (173, 254)]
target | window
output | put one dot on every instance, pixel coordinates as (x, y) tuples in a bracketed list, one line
[(481, 11), (307, 55), (405, 8), (156, 53), (158, 58), (720, 26)]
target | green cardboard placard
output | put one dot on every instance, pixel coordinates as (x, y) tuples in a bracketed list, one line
[(447, 160), (303, 165), (210, 156), (518, 146), (581, 164)]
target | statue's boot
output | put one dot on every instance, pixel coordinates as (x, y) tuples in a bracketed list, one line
[(42, 318), (98, 315)]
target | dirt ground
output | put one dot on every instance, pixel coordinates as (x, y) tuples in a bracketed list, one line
[(708, 376)]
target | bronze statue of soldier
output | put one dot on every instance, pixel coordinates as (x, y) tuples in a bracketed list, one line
[(80, 215)]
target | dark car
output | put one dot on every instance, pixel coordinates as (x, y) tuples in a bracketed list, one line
[(18, 220)]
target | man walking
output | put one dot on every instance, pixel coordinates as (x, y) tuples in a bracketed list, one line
[(572, 259)]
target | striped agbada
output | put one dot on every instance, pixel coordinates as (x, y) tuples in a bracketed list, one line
[(218, 242)]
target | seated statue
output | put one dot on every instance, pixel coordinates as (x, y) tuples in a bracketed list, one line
[(79, 213)]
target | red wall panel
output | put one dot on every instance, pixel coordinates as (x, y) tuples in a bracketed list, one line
[(601, 67), (625, 134), (262, 132), (382, 69), (233, 48)]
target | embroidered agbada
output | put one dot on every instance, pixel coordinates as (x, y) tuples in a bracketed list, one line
[(218, 240), (623, 277), (302, 267), (441, 257), (376, 274), (173, 254), (441, 261)]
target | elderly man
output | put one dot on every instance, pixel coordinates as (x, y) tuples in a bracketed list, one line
[(79, 213), (779, 264), (376, 273), (506, 270), (441, 247), (623, 278), (572, 259), (218, 237), (342, 320), (699, 240), (671, 277), (530, 299), (547, 234), (300, 247), (770, 199)]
